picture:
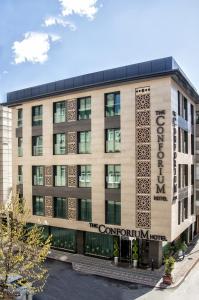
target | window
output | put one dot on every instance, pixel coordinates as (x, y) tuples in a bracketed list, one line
[(185, 114), (60, 208), (84, 210), (185, 209), (179, 103), (37, 145), (113, 140), (113, 176), (37, 115), (197, 117), (185, 141), (192, 175), (179, 212), (84, 142), (38, 175), (179, 139), (20, 146), (59, 141), (59, 175), (20, 174), (59, 110), (185, 175), (179, 176), (85, 176), (192, 114), (63, 238), (192, 205), (20, 117), (84, 108), (38, 206), (197, 173), (112, 104), (192, 144), (113, 212)]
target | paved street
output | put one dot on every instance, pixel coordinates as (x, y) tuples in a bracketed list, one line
[(64, 283)]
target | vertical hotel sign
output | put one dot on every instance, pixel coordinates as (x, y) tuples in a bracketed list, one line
[(160, 179)]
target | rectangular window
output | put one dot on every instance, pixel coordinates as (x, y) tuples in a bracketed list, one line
[(85, 176), (192, 205), (185, 114), (179, 103), (20, 174), (60, 208), (185, 175), (84, 210), (113, 140), (192, 144), (84, 142), (20, 146), (38, 175), (38, 206), (179, 139), (59, 175), (197, 172), (192, 175), (59, 144), (113, 212), (179, 212), (185, 205), (179, 176), (113, 176), (192, 114), (37, 115), (37, 145), (185, 142), (84, 108), (112, 104), (197, 117), (19, 117), (59, 111)]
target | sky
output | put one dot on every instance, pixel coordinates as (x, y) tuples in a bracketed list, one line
[(48, 40)]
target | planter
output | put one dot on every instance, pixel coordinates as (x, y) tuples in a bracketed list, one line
[(116, 259), (167, 279), (135, 263)]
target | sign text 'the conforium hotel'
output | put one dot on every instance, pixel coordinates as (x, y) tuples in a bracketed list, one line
[(160, 129)]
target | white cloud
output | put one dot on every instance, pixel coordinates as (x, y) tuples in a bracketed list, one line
[(86, 8), (33, 48), (50, 21), (5, 72)]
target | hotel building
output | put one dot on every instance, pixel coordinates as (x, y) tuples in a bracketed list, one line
[(107, 159)]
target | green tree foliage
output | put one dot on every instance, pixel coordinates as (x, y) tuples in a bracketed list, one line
[(23, 250)]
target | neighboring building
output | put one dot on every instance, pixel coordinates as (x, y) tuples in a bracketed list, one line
[(108, 157), (5, 153)]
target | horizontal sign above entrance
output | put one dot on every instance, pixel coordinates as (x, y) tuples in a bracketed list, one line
[(141, 234)]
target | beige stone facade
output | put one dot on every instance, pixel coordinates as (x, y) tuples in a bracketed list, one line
[(162, 215)]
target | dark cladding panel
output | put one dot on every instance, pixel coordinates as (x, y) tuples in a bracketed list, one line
[(115, 74), (132, 70), (59, 85), (158, 65), (43, 89), (78, 81), (145, 68), (27, 93), (68, 83), (51, 87)]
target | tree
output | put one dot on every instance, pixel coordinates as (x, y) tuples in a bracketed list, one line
[(23, 250)]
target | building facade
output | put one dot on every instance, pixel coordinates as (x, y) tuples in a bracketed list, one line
[(5, 153), (106, 160)]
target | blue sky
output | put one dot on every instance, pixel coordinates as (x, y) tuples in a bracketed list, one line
[(48, 40)]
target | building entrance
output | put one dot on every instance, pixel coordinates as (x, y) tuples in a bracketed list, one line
[(125, 250)]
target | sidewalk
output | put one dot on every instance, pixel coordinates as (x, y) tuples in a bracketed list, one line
[(105, 268)]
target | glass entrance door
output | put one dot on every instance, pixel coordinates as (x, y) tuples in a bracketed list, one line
[(125, 250)]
